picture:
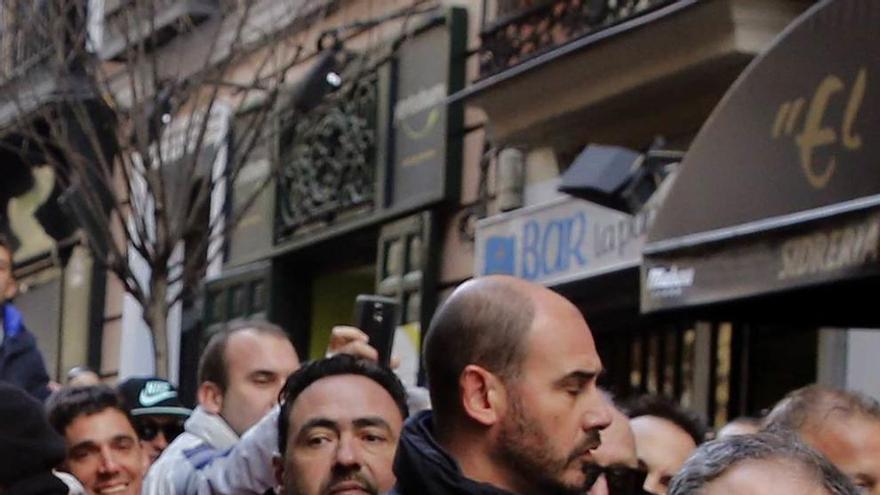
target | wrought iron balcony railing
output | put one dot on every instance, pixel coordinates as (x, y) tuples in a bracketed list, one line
[(522, 29), (128, 22), (25, 40)]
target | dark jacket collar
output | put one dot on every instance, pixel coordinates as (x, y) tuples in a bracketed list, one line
[(422, 467)]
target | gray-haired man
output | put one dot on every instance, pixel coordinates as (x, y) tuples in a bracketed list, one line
[(760, 464)]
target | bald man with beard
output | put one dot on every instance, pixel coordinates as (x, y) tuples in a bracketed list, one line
[(512, 368)]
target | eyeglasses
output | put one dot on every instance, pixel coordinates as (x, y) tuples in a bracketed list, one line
[(621, 480), (148, 429)]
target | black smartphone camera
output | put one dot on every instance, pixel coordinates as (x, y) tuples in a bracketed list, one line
[(376, 316)]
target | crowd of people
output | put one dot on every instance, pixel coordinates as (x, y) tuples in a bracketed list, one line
[(515, 408)]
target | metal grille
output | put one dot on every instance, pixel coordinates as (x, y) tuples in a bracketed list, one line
[(522, 29), (328, 158), (24, 37)]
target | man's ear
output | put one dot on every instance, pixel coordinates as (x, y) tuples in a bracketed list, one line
[(278, 465), (483, 396), (210, 397)]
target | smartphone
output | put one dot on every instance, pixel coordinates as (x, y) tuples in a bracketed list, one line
[(376, 316)]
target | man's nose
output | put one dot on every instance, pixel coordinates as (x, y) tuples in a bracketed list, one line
[(160, 442), (598, 417), (108, 463), (348, 453)]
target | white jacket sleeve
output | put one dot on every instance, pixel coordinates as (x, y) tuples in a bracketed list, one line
[(247, 468)]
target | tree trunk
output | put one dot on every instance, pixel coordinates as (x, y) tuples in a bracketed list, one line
[(156, 314)]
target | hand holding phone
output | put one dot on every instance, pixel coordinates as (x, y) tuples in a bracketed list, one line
[(376, 316)]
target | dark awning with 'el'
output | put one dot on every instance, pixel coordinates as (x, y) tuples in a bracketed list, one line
[(781, 187)]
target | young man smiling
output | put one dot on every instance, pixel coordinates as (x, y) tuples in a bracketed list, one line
[(103, 450)]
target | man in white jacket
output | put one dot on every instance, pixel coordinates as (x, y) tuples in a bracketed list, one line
[(241, 372)]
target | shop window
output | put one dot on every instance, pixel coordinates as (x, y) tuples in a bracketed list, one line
[(404, 264), (635, 373), (723, 357), (689, 339), (653, 373), (671, 363), (258, 295)]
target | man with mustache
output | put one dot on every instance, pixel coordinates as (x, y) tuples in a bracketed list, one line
[(338, 428), (512, 370)]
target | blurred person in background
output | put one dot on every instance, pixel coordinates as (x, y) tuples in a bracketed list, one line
[(666, 435), (81, 376), (20, 361), (844, 426), (29, 448), (744, 425), (103, 449), (759, 464), (618, 471), (156, 410)]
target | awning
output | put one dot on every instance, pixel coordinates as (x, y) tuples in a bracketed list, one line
[(781, 188)]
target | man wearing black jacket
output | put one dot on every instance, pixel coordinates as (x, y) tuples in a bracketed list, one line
[(20, 361), (512, 370)]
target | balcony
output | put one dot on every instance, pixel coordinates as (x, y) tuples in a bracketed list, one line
[(129, 22), (32, 34), (524, 29), (24, 43), (631, 68)]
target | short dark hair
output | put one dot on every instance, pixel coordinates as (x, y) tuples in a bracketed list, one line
[(712, 459), (660, 407), (340, 364), (213, 365), (811, 405), (69, 403), (484, 325)]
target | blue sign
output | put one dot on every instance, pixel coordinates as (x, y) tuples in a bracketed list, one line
[(500, 255), (552, 247), (559, 241)]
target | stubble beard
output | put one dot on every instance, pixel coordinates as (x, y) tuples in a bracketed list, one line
[(527, 450)]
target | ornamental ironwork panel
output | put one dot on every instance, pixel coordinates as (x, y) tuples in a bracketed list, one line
[(523, 29), (328, 158), (30, 31)]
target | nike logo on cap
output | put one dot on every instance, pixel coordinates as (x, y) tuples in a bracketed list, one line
[(155, 392)]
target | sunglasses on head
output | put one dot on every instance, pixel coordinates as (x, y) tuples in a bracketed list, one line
[(621, 480), (148, 429)]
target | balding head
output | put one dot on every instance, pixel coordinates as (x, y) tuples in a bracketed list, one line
[(484, 322), (512, 368), (811, 407), (844, 426)]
